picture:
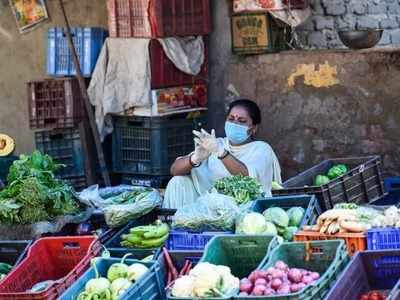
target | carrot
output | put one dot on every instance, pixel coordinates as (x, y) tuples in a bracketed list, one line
[(170, 264), (182, 272), (189, 267)]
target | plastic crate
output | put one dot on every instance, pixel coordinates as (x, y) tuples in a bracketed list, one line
[(354, 241), (62, 259), (308, 202), (241, 253), (88, 42), (149, 287), (369, 270), (186, 240), (65, 147), (178, 259), (13, 252), (165, 74), (149, 146), (328, 258), (5, 164), (362, 184), (156, 19), (54, 103), (383, 238)]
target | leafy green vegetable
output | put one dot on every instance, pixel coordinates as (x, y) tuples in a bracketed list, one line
[(337, 171), (33, 193), (289, 233), (242, 188), (251, 223), (321, 180), (277, 216), (295, 216)]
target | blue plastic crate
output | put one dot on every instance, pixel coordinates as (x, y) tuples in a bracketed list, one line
[(369, 270), (308, 202), (383, 238), (88, 42), (149, 287), (392, 184), (185, 240)]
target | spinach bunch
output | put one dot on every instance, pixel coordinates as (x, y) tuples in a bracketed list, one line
[(242, 188), (34, 194)]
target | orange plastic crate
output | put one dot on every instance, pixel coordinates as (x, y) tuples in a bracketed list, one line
[(354, 241), (62, 259)]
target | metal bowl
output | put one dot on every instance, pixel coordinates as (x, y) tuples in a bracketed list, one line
[(361, 39)]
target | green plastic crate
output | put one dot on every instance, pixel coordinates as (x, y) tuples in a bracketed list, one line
[(241, 253), (328, 258)]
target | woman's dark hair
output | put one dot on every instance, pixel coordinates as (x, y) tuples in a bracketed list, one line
[(252, 109)]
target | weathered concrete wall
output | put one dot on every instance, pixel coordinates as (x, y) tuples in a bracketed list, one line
[(348, 108), (22, 58)]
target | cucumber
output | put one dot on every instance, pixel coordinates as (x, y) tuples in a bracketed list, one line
[(158, 232)]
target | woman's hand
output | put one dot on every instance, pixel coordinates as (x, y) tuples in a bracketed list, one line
[(209, 142), (200, 154)]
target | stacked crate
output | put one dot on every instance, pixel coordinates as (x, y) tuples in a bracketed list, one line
[(56, 109), (146, 144)]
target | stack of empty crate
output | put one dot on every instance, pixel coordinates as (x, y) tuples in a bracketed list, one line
[(145, 144), (56, 108)]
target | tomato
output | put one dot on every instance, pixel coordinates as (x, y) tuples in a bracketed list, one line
[(364, 297)]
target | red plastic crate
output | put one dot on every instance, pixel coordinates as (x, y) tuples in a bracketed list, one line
[(62, 259), (54, 103), (155, 18), (165, 74)]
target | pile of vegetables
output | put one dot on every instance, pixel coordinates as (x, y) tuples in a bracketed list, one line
[(206, 280), (120, 277), (333, 173), (277, 280), (273, 221), (242, 188), (33, 194), (373, 295), (349, 217), (146, 237), (128, 197), (4, 270)]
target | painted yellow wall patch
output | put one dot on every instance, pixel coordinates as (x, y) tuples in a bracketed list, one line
[(323, 76)]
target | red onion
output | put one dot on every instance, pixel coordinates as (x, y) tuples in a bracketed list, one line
[(276, 283)]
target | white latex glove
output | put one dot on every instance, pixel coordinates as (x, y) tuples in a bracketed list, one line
[(210, 142), (200, 154)]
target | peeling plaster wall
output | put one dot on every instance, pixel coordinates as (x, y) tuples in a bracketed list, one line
[(315, 104), (22, 58)]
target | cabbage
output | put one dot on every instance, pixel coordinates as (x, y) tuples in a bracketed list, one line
[(295, 216), (289, 233), (321, 180), (271, 229), (277, 216), (252, 223), (337, 171)]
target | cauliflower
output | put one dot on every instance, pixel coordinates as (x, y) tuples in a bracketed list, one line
[(207, 281), (229, 282), (183, 287)]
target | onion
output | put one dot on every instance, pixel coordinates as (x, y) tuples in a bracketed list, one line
[(307, 279), (294, 288), (281, 265), (253, 277), (314, 275), (301, 286), (260, 281), (269, 292), (270, 270), (259, 290), (276, 283), (278, 274), (243, 294), (284, 289), (246, 285), (294, 275)]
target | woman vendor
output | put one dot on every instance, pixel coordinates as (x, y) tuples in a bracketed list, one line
[(215, 158)]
